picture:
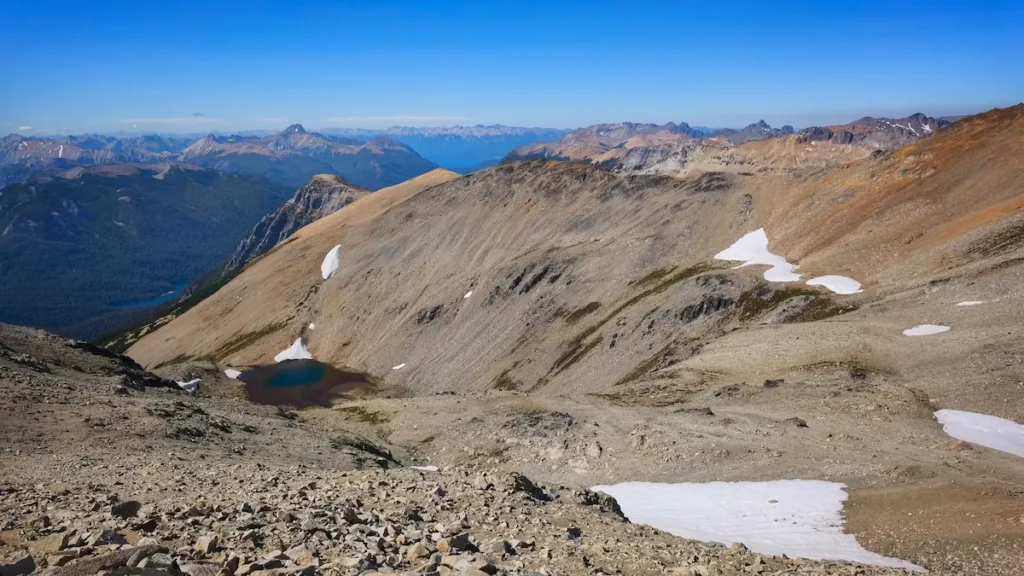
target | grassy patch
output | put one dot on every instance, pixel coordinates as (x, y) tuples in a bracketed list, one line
[(653, 276), (242, 341), (180, 358), (755, 303), (506, 382), (575, 355), (644, 367), (361, 414), (578, 314)]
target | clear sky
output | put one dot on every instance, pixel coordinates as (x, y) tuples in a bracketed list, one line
[(224, 65)]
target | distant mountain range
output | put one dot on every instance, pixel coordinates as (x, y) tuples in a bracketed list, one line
[(290, 157), (294, 155), (21, 157), (460, 148), (666, 148), (94, 247)]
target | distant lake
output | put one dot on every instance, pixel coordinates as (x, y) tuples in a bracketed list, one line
[(164, 298)]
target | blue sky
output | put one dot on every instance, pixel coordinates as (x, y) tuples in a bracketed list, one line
[(226, 65)]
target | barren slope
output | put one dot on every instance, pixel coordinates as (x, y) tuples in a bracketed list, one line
[(560, 307)]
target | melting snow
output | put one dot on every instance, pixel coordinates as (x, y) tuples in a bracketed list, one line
[(971, 303), (297, 351), (926, 128), (752, 249), (794, 517), (468, 294), (60, 153), (925, 330), (424, 468), (399, 367), (988, 431), (837, 284), (330, 263), (232, 373), (190, 386)]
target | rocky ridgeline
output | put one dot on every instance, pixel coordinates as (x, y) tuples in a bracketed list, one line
[(251, 520)]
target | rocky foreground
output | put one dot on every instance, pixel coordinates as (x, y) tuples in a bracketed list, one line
[(253, 520)]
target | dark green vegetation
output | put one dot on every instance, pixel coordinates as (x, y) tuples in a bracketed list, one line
[(644, 367), (505, 381), (78, 253), (578, 347), (761, 300), (244, 340), (122, 339), (577, 315), (361, 414)]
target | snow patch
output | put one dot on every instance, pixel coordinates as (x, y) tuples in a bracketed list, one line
[(297, 351), (752, 249), (424, 468), (925, 330), (984, 430), (971, 303), (837, 284), (399, 367), (232, 373), (467, 295), (330, 263), (60, 153), (801, 518), (312, 326), (190, 386), (926, 128)]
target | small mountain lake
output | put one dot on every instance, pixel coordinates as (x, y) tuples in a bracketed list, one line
[(303, 383)]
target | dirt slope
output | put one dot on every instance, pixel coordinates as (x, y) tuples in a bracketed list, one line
[(542, 292), (562, 256)]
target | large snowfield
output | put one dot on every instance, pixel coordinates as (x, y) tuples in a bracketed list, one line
[(752, 249), (801, 518)]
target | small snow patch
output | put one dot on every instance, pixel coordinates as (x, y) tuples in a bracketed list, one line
[(925, 330), (801, 518), (752, 249), (232, 373), (837, 284), (971, 303), (399, 367), (984, 430), (330, 263), (312, 326), (424, 468), (190, 386), (297, 351), (467, 295)]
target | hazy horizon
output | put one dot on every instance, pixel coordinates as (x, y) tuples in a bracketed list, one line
[(751, 118), (190, 67)]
